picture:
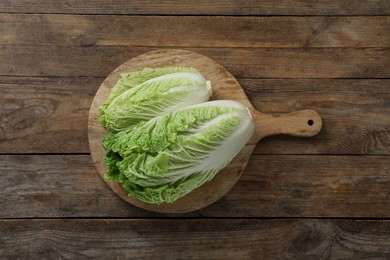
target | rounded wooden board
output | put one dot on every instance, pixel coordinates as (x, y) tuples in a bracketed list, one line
[(224, 86)]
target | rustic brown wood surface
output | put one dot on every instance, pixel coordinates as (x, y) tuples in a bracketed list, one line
[(114, 30), (199, 7), (36, 186), (210, 239), (97, 61), (325, 197)]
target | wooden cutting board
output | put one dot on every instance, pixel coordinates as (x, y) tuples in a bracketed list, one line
[(225, 86)]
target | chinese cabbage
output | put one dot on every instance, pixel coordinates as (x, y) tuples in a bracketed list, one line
[(153, 96), (163, 159)]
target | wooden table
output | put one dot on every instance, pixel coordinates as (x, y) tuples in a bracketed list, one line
[(326, 197)]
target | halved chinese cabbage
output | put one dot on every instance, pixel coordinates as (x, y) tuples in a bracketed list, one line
[(140, 96), (168, 156)]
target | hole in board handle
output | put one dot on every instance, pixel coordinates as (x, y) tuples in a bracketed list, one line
[(310, 122)]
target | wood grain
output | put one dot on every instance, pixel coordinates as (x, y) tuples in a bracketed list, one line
[(48, 114), (99, 61), (57, 186), (196, 31), (331, 56), (366, 131), (311, 185), (36, 186), (199, 7), (354, 112), (209, 239)]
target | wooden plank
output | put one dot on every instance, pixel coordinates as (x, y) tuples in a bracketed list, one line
[(47, 186), (199, 7), (354, 112), (311, 185), (58, 186), (195, 238), (243, 63), (204, 31), (48, 114)]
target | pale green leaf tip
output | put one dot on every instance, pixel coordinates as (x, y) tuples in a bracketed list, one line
[(209, 88)]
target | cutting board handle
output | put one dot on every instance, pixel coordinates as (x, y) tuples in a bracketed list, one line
[(303, 123)]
